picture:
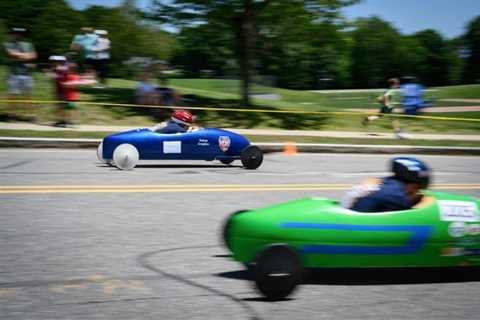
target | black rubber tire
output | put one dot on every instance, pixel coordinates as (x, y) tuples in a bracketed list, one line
[(252, 157), (226, 161), (278, 271), (225, 229)]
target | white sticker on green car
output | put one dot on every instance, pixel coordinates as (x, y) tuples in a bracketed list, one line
[(452, 210), (457, 229)]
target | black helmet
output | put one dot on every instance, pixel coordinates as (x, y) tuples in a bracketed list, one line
[(411, 170)]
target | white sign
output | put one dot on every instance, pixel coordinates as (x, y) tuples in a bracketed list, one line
[(172, 146), (451, 210)]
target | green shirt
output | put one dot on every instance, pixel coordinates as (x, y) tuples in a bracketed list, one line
[(393, 98), (86, 42)]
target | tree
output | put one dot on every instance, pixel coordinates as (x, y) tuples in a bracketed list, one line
[(3, 38), (240, 18), (53, 29), (374, 52), (299, 48), (202, 48), (434, 62), (472, 43), (16, 14)]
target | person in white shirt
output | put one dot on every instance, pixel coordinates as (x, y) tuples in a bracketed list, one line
[(101, 56)]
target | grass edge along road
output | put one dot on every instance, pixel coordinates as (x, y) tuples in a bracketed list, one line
[(71, 134)]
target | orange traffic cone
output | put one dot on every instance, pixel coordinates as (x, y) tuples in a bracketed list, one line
[(290, 149)]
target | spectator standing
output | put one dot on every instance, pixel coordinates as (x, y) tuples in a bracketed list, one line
[(146, 91), (168, 96), (21, 54), (69, 86), (83, 44), (101, 49), (66, 82), (58, 73)]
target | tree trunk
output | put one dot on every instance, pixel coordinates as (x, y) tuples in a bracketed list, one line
[(246, 37)]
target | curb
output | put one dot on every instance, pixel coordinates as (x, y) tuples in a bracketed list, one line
[(378, 149), (12, 142)]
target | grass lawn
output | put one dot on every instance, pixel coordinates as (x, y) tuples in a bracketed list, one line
[(224, 94)]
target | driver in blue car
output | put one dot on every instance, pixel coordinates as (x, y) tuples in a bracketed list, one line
[(398, 192), (180, 122)]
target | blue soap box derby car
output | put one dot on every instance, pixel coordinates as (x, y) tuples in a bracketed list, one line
[(125, 149)]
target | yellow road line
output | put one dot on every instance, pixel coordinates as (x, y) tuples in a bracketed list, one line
[(180, 186), (200, 188), (160, 190)]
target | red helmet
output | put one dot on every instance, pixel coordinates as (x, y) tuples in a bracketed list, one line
[(182, 117)]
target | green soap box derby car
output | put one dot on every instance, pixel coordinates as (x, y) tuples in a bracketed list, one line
[(279, 242)]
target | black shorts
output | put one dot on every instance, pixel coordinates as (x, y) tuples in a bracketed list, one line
[(386, 110)]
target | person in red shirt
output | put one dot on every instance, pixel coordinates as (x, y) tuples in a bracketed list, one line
[(68, 84), (57, 72)]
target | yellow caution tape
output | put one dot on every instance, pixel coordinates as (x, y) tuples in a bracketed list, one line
[(339, 113)]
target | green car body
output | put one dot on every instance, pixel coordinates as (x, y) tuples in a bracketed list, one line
[(444, 232)]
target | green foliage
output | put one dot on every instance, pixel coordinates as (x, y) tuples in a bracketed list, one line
[(22, 13), (214, 52), (265, 36), (472, 42), (375, 56), (54, 28), (3, 38), (434, 62)]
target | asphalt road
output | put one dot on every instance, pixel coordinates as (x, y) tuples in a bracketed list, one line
[(80, 240)]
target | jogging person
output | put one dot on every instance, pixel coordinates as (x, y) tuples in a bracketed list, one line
[(389, 100)]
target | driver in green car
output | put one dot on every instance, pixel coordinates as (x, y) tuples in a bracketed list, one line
[(398, 192)]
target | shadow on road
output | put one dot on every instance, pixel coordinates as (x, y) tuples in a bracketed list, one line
[(383, 276), (185, 166)]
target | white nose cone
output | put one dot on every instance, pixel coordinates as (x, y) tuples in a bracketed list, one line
[(100, 153), (125, 156)]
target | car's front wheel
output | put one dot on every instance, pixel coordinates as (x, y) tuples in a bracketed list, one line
[(278, 271), (125, 156), (252, 157)]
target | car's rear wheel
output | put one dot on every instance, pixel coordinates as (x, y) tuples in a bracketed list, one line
[(252, 157), (125, 156), (278, 271), (226, 229), (227, 161)]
